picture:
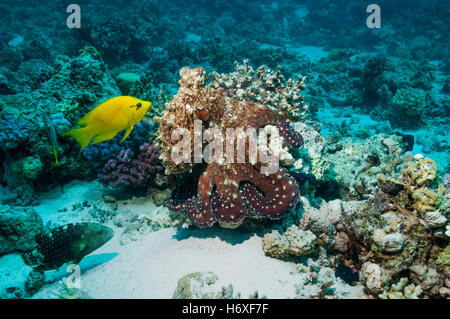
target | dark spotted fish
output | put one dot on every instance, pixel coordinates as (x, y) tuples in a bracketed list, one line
[(69, 243)]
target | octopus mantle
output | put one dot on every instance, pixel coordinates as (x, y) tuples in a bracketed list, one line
[(225, 192)]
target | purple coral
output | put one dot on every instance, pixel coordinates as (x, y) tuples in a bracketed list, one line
[(99, 154), (13, 131), (129, 169)]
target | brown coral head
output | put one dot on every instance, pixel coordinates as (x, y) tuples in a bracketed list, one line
[(192, 77)]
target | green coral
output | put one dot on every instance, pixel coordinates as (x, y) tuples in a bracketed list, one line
[(443, 259), (146, 90), (69, 109), (126, 80), (90, 50), (29, 167), (408, 106)]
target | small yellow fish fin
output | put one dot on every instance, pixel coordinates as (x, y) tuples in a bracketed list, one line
[(128, 132), (81, 135), (84, 121), (104, 137)]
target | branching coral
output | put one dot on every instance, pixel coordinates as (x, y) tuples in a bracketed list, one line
[(99, 154), (263, 86), (230, 189), (414, 193), (130, 170), (401, 290), (13, 132)]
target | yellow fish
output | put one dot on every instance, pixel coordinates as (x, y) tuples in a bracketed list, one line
[(109, 118)]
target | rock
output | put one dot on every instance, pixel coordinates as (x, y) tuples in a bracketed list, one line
[(275, 245), (388, 243), (428, 278), (201, 285), (125, 218), (158, 196), (301, 242), (126, 80), (393, 243), (434, 219), (34, 282), (13, 275), (29, 167), (374, 278), (332, 210), (342, 242), (109, 199), (444, 292), (18, 228), (145, 224), (16, 41), (318, 223)]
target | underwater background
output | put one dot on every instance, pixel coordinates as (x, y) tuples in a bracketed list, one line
[(365, 155)]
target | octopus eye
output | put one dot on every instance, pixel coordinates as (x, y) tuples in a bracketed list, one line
[(202, 114)]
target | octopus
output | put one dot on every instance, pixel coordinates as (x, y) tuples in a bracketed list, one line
[(224, 191)]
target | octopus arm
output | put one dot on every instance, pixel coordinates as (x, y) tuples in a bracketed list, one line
[(271, 196)]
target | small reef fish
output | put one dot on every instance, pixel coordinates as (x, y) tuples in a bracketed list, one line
[(68, 243), (109, 118), (51, 135)]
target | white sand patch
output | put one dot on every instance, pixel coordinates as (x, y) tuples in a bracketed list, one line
[(76, 192), (313, 53), (151, 267)]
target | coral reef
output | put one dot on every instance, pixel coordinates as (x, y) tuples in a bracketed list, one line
[(294, 241), (129, 169), (374, 278), (220, 196), (75, 86), (99, 154), (139, 225), (202, 286), (366, 160), (410, 103), (401, 290), (13, 276), (13, 132), (18, 228)]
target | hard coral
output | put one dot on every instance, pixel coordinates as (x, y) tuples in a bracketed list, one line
[(409, 106), (99, 154), (227, 192), (130, 170), (13, 132)]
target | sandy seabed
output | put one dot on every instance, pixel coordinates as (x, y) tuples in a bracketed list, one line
[(151, 266)]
